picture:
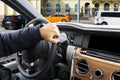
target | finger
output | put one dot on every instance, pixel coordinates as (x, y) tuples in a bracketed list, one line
[(57, 33), (54, 40), (54, 25)]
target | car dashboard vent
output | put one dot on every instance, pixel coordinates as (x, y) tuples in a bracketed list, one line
[(116, 75), (82, 67)]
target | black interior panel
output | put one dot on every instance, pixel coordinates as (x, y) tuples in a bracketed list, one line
[(105, 43)]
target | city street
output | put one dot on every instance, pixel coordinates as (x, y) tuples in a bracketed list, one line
[(90, 21)]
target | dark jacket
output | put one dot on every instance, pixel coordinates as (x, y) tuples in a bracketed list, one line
[(18, 40)]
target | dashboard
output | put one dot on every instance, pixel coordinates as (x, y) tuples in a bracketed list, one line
[(95, 55), (90, 54)]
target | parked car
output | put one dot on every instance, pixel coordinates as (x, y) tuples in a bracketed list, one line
[(107, 18), (58, 18), (13, 22)]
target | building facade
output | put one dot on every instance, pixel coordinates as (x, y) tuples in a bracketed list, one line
[(113, 5), (67, 6), (6, 10), (70, 7), (87, 7)]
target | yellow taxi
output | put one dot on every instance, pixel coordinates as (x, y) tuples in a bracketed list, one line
[(58, 18)]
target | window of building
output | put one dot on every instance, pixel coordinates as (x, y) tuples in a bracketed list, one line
[(96, 6), (87, 9), (67, 8), (58, 7), (49, 9), (76, 7), (116, 6), (106, 6)]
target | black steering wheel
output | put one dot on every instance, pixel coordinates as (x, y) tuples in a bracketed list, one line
[(36, 61)]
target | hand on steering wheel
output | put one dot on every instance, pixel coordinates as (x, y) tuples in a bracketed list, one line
[(36, 61), (49, 31)]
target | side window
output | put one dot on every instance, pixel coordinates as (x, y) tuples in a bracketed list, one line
[(19, 17), (52, 15), (103, 14), (58, 16), (117, 14), (106, 14), (62, 16), (110, 14)]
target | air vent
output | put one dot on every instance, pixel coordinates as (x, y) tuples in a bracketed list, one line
[(82, 66), (116, 75)]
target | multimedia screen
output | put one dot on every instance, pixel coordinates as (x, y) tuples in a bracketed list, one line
[(105, 43)]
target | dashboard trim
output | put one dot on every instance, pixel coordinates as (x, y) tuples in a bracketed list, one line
[(108, 67), (90, 27)]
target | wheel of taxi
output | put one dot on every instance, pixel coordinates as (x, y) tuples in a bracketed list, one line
[(36, 61)]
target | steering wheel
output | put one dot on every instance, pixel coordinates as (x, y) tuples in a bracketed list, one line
[(36, 61)]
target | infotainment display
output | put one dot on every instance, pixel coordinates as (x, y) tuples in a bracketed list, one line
[(105, 43)]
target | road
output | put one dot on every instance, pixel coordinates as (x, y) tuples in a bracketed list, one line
[(90, 21), (84, 21)]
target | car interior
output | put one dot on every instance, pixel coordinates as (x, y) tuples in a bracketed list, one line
[(86, 52)]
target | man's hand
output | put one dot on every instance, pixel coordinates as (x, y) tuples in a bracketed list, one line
[(49, 31)]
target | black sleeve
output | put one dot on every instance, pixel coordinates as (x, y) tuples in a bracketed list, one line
[(19, 40)]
